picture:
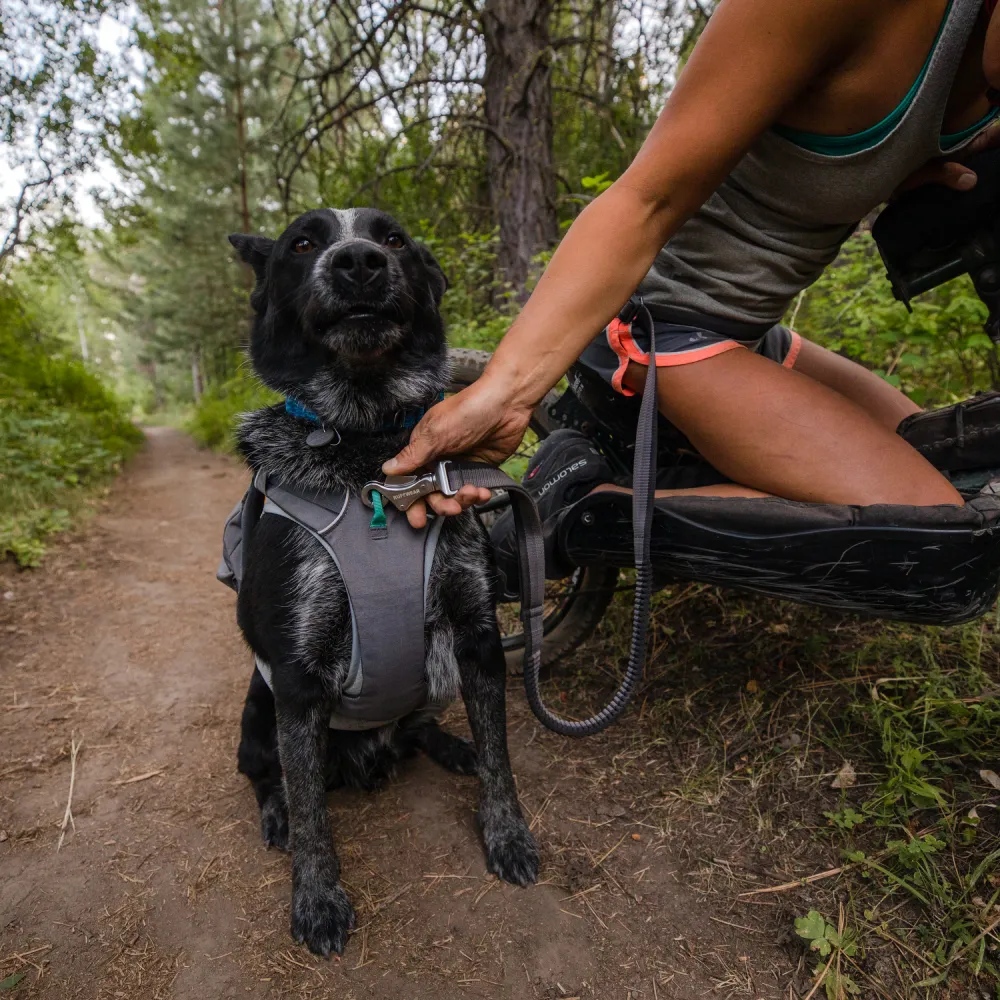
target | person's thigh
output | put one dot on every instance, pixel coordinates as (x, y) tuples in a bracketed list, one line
[(874, 395), (782, 432)]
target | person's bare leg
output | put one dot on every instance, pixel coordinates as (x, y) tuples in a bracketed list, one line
[(781, 432), (873, 394)]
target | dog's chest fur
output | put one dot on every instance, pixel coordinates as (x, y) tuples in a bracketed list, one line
[(291, 570)]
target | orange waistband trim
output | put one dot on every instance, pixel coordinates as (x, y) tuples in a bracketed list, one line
[(622, 343)]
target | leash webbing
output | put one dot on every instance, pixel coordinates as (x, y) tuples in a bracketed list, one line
[(531, 552)]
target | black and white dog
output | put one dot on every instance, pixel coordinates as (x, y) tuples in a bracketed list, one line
[(346, 321)]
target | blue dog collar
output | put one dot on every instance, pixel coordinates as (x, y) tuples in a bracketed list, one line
[(296, 409), (405, 419)]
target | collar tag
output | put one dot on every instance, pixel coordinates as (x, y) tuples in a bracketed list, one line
[(322, 437)]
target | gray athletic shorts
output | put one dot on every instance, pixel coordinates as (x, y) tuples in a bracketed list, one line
[(681, 344)]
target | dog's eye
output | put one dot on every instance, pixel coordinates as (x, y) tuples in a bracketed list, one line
[(394, 241), (302, 246)]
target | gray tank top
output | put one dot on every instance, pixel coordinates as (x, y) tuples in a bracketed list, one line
[(780, 217)]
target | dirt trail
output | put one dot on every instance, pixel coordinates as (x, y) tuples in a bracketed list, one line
[(163, 888)]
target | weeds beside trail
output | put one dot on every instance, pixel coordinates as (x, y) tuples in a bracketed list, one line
[(61, 431), (838, 772), (212, 423)]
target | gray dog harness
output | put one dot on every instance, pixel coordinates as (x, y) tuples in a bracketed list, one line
[(385, 568)]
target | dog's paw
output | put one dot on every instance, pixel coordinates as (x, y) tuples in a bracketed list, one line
[(452, 752), (322, 917), (459, 756), (274, 822), (511, 851)]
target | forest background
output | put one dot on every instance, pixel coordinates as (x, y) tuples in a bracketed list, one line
[(137, 135)]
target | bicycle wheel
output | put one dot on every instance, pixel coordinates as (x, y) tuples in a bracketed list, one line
[(574, 606)]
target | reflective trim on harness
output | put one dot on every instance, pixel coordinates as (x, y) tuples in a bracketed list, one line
[(354, 682)]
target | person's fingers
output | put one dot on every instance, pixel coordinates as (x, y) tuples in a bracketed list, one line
[(418, 451), (953, 175), (989, 138), (446, 506), (416, 514), (467, 496), (452, 427), (958, 176)]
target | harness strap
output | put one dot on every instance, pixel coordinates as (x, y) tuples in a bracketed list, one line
[(378, 518), (531, 551), (253, 507)]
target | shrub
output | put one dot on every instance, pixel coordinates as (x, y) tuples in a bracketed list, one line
[(213, 421), (61, 429)]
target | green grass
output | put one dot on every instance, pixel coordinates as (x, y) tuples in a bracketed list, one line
[(749, 710)]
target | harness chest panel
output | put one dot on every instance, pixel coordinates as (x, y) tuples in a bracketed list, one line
[(385, 572)]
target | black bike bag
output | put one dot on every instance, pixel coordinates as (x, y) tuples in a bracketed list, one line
[(932, 565), (960, 437)]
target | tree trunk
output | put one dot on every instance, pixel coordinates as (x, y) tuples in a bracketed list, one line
[(241, 118), (518, 90), (196, 382), (84, 353), (239, 109)]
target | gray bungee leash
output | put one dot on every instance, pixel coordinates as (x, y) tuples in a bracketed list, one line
[(449, 476)]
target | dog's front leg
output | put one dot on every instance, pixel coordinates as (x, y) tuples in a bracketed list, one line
[(511, 852), (321, 912)]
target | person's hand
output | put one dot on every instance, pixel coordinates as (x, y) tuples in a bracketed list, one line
[(480, 423), (951, 173)]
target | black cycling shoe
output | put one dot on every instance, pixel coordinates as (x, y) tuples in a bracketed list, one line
[(566, 467)]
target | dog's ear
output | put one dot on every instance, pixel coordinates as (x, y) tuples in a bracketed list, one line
[(438, 282), (253, 250)]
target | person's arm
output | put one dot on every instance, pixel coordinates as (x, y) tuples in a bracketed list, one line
[(752, 60)]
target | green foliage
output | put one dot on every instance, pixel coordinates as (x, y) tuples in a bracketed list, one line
[(923, 718), (474, 308), (213, 421), (823, 937), (845, 819), (188, 159), (596, 185), (826, 940), (931, 715), (11, 981), (60, 429), (937, 354), (56, 88)]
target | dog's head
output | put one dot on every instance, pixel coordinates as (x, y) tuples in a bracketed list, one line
[(346, 305)]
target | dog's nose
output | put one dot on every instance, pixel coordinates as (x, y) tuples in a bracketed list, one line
[(360, 267)]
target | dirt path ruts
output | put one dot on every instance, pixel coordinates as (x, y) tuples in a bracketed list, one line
[(163, 889)]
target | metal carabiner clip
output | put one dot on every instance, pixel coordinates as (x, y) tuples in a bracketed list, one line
[(403, 491)]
